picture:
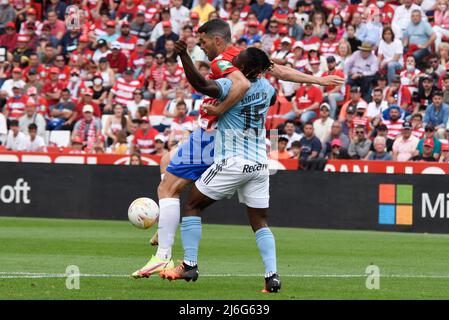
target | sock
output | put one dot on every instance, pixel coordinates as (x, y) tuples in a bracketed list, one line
[(170, 211), (267, 248), (191, 236), (162, 176)]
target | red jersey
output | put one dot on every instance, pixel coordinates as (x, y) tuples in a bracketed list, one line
[(157, 75), (136, 60), (306, 96), (360, 121), (328, 48), (124, 90), (51, 87), (174, 79), (79, 110), (145, 142), (387, 13), (220, 67), (334, 72), (16, 107), (127, 44)]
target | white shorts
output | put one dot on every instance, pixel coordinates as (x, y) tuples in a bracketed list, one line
[(249, 179)]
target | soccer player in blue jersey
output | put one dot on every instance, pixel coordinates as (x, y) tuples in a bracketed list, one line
[(240, 164), (196, 155)]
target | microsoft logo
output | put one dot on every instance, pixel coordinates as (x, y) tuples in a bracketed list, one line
[(396, 204)]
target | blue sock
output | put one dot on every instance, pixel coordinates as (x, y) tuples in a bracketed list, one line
[(191, 236), (267, 248)]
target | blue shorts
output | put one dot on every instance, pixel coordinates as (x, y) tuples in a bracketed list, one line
[(194, 156)]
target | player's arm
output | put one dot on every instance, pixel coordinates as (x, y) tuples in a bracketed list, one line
[(290, 74), (201, 84)]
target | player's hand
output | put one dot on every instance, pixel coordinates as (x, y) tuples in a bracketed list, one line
[(211, 108), (332, 81), (180, 47)]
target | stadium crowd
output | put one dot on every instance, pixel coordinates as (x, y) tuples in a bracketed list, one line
[(106, 72)]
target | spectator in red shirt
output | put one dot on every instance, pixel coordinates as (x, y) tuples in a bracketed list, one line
[(309, 40), (53, 86), (87, 99), (144, 138), (173, 79), (15, 105), (157, 75), (280, 14), (127, 10), (306, 104), (333, 94), (9, 39), (117, 59), (399, 95), (126, 40)]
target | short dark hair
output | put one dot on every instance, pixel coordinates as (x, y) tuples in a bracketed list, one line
[(289, 121), (171, 60), (437, 93), (417, 115), (377, 89), (14, 123), (216, 27), (257, 63), (282, 139), (309, 123), (295, 144), (32, 126)]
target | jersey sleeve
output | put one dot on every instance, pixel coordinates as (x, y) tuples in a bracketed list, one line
[(221, 68), (225, 85)]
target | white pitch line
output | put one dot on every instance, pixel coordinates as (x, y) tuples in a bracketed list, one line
[(38, 275)]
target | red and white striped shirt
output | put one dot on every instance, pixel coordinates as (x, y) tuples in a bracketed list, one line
[(145, 142), (418, 132), (123, 90), (157, 75), (394, 128), (136, 60), (328, 48), (360, 121), (174, 79), (127, 44), (16, 107)]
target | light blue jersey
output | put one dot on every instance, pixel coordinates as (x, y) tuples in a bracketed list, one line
[(241, 130), (196, 154)]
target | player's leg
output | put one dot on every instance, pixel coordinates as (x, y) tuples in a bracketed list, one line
[(219, 181), (169, 191), (165, 160), (191, 230), (267, 247), (255, 194)]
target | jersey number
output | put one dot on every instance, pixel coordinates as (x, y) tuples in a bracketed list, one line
[(252, 114)]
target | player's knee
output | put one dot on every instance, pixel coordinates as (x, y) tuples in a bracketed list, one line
[(192, 208)]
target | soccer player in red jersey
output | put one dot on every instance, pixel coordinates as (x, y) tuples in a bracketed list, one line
[(215, 40)]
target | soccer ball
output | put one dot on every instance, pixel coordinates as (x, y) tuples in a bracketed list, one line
[(143, 213)]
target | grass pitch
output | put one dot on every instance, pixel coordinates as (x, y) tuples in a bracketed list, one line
[(313, 264)]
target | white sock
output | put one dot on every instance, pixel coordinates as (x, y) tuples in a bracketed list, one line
[(170, 212), (162, 176)]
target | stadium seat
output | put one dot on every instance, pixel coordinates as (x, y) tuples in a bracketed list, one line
[(2, 148), (157, 107), (60, 138)]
